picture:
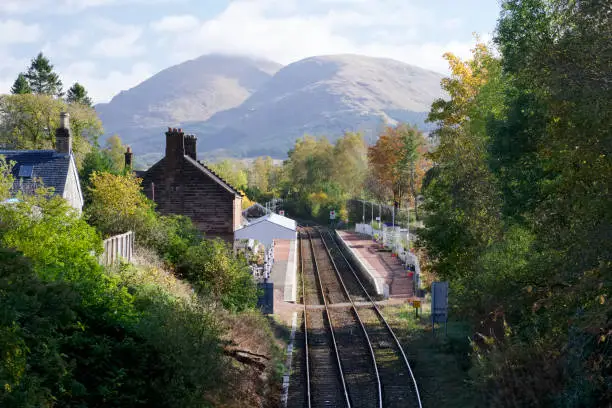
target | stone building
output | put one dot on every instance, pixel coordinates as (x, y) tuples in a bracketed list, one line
[(179, 184), (48, 168)]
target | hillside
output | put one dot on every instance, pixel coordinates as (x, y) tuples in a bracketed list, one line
[(191, 91), (323, 95)]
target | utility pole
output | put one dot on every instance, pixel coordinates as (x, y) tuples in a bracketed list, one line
[(363, 215), (408, 226), (372, 218)]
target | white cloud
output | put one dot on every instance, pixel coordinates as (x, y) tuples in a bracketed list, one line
[(17, 32), (102, 86), (384, 28), (176, 24), (19, 6), (9, 69), (122, 45), (72, 39), (66, 6)]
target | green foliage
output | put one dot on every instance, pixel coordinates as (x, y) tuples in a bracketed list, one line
[(29, 121), (118, 205), (42, 79), (115, 150), (232, 171), (21, 86), (175, 234), (6, 178), (214, 271), (519, 206), (74, 335), (77, 94), (320, 176)]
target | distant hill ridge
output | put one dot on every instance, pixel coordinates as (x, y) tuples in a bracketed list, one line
[(243, 107)]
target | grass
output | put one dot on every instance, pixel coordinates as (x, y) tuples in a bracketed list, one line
[(441, 363)]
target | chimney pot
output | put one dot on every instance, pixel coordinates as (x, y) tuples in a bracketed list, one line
[(64, 120), (63, 136), (128, 158), (190, 146)]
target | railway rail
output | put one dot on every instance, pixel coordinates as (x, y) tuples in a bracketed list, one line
[(352, 357)]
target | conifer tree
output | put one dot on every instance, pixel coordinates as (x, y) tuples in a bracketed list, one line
[(78, 94), (21, 86), (42, 79)]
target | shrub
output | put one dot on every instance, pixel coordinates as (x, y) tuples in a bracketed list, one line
[(212, 268)]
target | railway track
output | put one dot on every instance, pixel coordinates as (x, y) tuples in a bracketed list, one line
[(352, 357)]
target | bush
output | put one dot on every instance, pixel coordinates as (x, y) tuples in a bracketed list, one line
[(212, 268), (72, 334), (118, 205)]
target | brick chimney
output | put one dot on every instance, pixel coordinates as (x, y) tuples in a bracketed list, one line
[(175, 146), (128, 158), (190, 146), (63, 137)]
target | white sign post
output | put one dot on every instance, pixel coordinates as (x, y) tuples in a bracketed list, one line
[(332, 215)]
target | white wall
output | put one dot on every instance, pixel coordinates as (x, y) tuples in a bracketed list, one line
[(72, 189)]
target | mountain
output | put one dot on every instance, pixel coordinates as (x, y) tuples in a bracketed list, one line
[(191, 91), (323, 95)]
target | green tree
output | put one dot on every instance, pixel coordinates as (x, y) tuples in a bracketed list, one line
[(115, 150), (42, 79), (462, 201), (118, 204), (29, 122), (6, 178), (350, 164), (214, 270), (232, 171), (259, 173), (77, 94), (21, 86)]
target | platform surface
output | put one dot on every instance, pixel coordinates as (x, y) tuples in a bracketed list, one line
[(284, 270), (382, 265)]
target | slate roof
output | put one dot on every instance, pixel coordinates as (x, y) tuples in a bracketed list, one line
[(48, 166), (276, 219)]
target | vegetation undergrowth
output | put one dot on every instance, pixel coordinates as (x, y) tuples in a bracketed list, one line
[(441, 363)]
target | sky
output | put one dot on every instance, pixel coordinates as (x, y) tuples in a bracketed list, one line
[(113, 45)]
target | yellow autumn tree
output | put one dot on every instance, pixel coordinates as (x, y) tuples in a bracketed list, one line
[(118, 204), (398, 162)]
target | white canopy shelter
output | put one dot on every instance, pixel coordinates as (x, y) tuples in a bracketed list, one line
[(268, 228)]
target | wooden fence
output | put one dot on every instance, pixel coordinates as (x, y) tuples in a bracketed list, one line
[(117, 248)]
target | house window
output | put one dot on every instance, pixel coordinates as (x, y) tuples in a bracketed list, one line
[(25, 170)]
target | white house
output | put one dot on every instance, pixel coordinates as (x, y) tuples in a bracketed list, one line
[(49, 168)]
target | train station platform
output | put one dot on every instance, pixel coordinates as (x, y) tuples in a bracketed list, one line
[(284, 271), (384, 271)]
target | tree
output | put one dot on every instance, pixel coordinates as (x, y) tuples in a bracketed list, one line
[(214, 270), (42, 79), (118, 204), (350, 164), (232, 171), (78, 94), (461, 197), (397, 162), (6, 178), (29, 122), (115, 150), (21, 86), (259, 174)]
